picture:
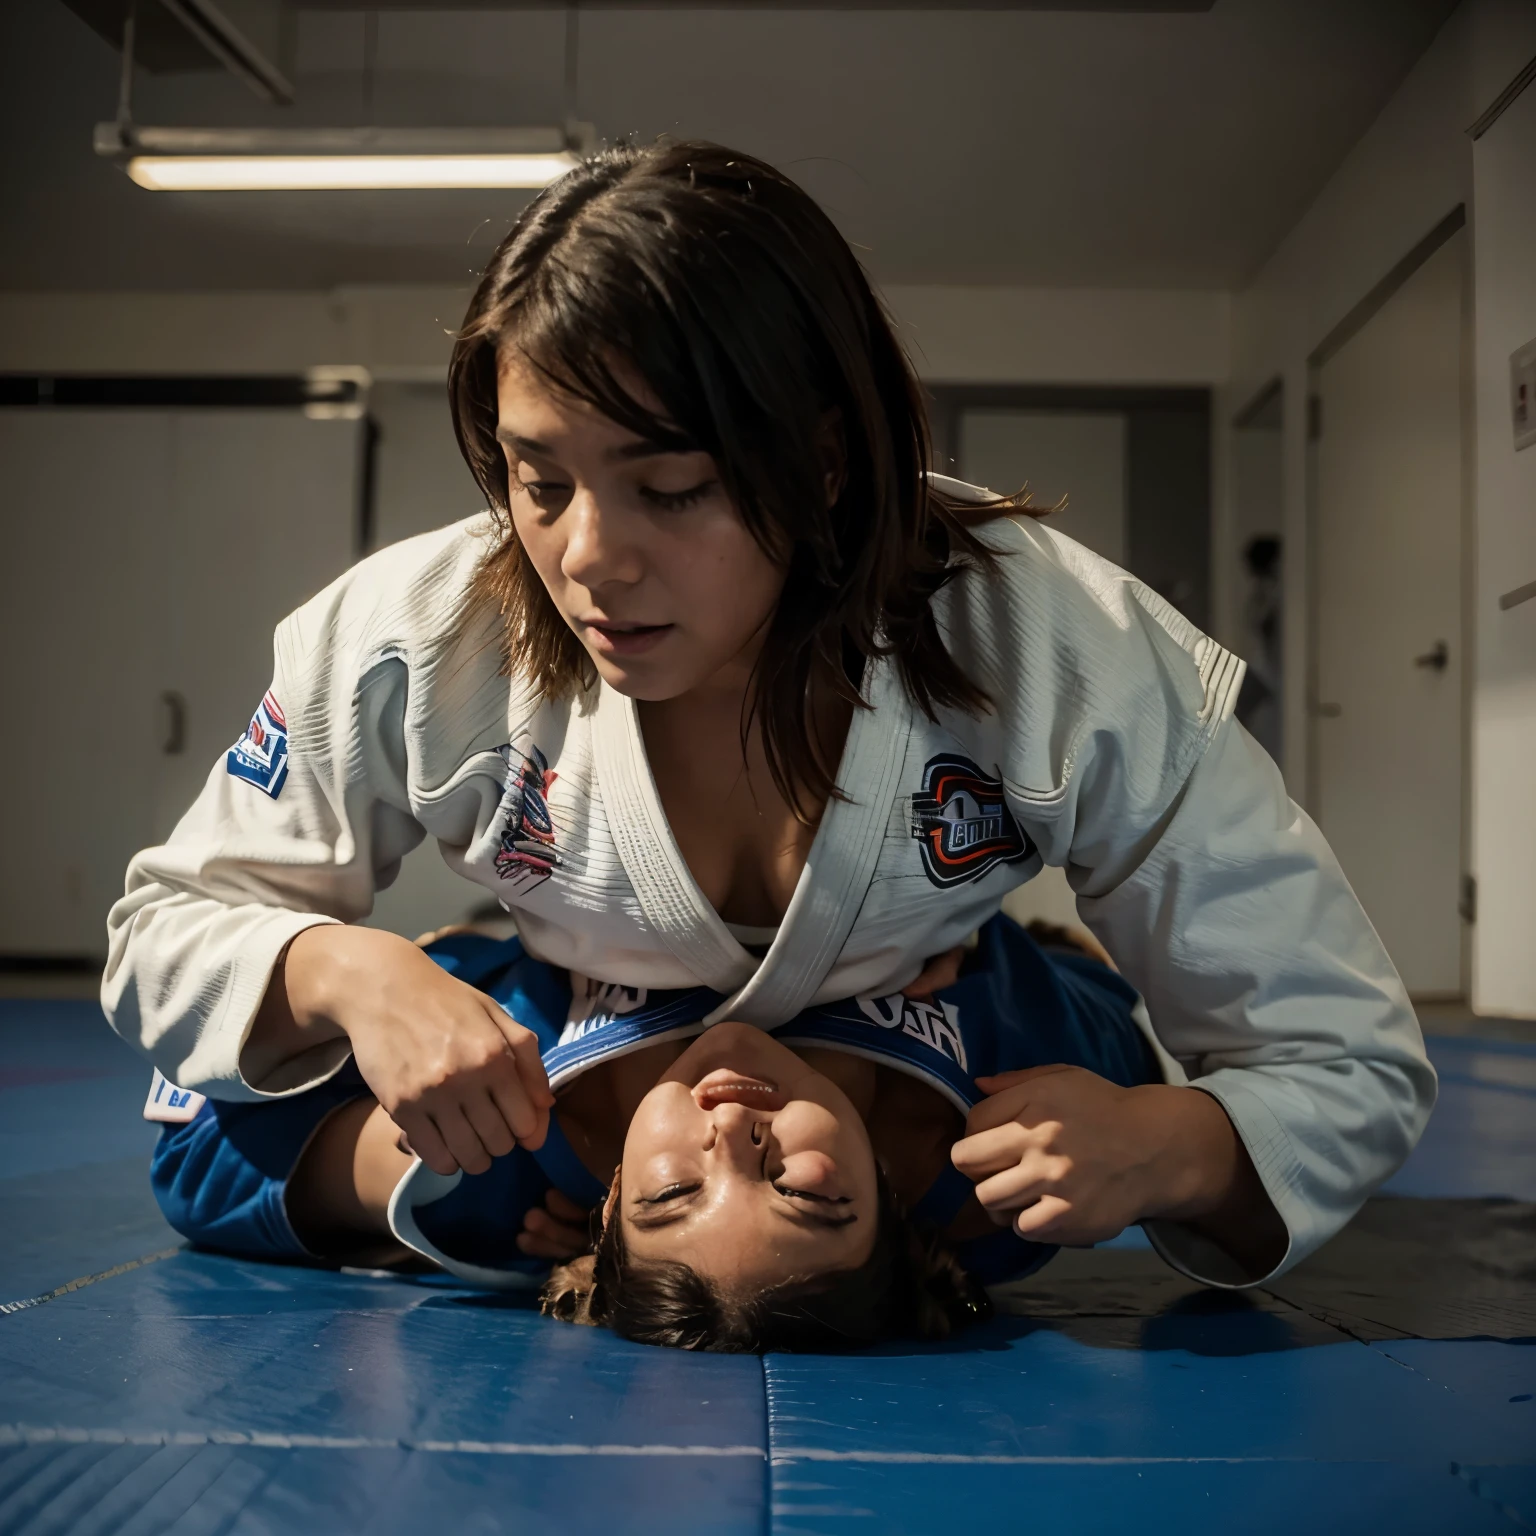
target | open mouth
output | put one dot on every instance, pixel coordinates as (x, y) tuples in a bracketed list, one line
[(725, 1086), (625, 639)]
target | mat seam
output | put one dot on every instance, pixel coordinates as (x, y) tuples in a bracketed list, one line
[(80, 1283)]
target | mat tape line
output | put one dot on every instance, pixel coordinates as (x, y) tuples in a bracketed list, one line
[(85, 1280), (37, 1435), (32, 1435)]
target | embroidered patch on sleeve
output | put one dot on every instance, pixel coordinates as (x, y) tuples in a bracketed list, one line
[(260, 757), (962, 823), (170, 1105)]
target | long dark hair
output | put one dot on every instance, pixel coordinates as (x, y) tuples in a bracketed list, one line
[(910, 1287), (748, 317)]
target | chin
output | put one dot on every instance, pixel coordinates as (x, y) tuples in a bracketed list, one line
[(644, 684)]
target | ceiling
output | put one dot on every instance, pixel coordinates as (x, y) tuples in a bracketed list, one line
[(1029, 146)]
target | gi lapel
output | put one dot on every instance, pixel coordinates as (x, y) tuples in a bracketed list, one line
[(832, 885)]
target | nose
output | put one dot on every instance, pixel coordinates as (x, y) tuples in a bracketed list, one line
[(597, 553), (739, 1137)]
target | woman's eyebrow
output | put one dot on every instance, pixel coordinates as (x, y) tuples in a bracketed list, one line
[(640, 448), (522, 444)]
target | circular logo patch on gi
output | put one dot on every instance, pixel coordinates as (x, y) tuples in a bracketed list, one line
[(962, 823)]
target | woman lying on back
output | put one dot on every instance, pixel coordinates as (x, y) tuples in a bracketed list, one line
[(727, 692), (806, 1188)]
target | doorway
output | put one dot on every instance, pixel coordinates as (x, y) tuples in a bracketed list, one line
[(1388, 739), (159, 529), (1133, 468)]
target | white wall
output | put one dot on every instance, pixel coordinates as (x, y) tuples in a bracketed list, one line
[(395, 331), (1504, 688), (968, 335), (1064, 335), (1411, 168)]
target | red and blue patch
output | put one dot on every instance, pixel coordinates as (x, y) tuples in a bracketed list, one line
[(527, 856), (962, 823), (260, 757)]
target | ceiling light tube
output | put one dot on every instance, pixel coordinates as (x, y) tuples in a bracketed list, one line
[(215, 160), (335, 173)]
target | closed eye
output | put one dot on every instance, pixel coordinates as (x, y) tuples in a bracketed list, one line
[(677, 501), (542, 493), (827, 1218), (671, 1192), (662, 1208)]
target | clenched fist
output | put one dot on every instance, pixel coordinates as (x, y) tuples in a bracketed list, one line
[(1069, 1157), (461, 1079)]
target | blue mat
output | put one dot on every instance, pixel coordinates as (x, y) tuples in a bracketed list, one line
[(145, 1388)]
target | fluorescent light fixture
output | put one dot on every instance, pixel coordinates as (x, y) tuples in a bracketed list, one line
[(333, 173), (340, 159)]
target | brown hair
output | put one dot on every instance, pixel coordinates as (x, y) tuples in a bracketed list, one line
[(910, 1287), (748, 317)]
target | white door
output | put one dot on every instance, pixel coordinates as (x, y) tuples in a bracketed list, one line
[(148, 556), (263, 513), (1077, 455), (81, 499), (1388, 728)]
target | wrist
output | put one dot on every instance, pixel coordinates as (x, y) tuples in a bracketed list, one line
[(325, 968), (1211, 1185), (1199, 1161)]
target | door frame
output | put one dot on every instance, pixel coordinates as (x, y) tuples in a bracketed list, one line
[(1333, 343), (1146, 498)]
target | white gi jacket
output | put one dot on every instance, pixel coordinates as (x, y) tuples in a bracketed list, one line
[(1110, 750)]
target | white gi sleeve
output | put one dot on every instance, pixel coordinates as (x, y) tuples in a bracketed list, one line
[(259, 858), (1264, 978), (1217, 896)]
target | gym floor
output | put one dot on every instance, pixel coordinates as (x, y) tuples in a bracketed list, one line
[(1387, 1384)]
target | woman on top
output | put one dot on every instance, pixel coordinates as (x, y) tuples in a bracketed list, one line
[(725, 691)]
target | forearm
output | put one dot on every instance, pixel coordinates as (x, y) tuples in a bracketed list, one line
[(303, 1010)]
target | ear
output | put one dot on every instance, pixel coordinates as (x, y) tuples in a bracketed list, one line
[(611, 1204), (832, 453)]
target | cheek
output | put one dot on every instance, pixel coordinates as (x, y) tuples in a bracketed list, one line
[(723, 577), (542, 542)]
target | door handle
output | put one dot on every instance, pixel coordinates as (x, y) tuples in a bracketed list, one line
[(1436, 659), (175, 742)]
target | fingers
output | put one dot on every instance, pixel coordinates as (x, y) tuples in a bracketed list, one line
[(1011, 1167), (1009, 1095), (524, 1045), (1014, 1188), (488, 1118), (419, 1135), (563, 1208), (991, 1151), (999, 1081), (1038, 1220), (463, 1144), (526, 1125), (546, 1237)]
